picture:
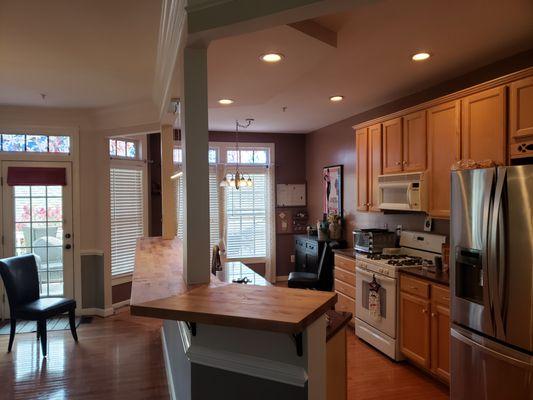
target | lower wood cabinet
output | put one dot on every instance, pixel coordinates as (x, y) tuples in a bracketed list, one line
[(344, 284), (425, 325)]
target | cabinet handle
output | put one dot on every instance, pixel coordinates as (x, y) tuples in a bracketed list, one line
[(433, 315), (398, 163), (425, 311), (405, 163)]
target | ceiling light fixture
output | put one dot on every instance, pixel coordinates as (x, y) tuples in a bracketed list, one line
[(225, 102), (238, 180), (271, 57), (421, 56), (336, 98)]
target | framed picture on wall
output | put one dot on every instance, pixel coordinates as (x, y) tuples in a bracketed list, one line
[(332, 189)]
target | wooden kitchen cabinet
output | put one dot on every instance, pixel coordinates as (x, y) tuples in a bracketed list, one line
[(361, 163), (392, 146), (344, 273), (414, 142), (444, 149), (415, 329), (483, 126), (374, 165), (521, 117), (425, 325)]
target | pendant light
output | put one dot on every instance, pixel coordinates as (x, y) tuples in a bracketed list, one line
[(238, 180)]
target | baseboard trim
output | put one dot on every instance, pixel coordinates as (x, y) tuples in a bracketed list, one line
[(121, 304), (168, 370), (282, 278), (99, 312)]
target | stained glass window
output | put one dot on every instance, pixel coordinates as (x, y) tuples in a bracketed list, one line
[(13, 142), (112, 147), (255, 156), (59, 144), (212, 156), (130, 150), (123, 148), (37, 143)]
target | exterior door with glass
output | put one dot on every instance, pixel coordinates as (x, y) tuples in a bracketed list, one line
[(37, 218)]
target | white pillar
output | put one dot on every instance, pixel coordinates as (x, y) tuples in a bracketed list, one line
[(195, 144), (168, 198)]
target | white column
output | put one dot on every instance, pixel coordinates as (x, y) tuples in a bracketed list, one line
[(168, 198), (195, 144)]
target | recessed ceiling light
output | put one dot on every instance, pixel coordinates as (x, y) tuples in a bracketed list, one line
[(336, 98), (225, 102), (271, 57), (421, 56)]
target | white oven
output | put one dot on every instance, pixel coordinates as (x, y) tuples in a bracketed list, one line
[(385, 322)]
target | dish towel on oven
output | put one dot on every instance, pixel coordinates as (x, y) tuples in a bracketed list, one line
[(374, 299)]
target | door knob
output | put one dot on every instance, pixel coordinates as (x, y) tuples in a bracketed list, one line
[(68, 246)]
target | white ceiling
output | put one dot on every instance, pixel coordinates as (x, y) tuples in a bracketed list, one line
[(83, 53), (370, 66)]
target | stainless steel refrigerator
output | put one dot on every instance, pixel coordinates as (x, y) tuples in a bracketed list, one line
[(491, 278)]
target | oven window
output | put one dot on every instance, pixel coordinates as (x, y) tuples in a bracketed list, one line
[(382, 298), (395, 195)]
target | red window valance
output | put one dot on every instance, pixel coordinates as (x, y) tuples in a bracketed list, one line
[(36, 176)]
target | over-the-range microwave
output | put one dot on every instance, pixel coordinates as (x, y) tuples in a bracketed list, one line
[(406, 191)]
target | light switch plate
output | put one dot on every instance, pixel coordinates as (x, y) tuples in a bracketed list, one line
[(292, 258)]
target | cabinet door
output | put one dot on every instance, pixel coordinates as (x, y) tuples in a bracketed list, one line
[(392, 146), (361, 163), (414, 142), (521, 117), (443, 150), (440, 341), (483, 126), (374, 165), (521, 114), (415, 329)]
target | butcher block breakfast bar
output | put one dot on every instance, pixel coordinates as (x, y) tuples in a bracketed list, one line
[(232, 340)]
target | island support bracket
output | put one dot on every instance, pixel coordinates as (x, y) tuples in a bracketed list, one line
[(298, 341), (192, 327)]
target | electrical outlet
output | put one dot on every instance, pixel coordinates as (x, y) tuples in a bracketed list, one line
[(292, 258), (428, 224)]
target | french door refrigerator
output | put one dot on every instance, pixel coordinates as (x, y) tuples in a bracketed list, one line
[(491, 278)]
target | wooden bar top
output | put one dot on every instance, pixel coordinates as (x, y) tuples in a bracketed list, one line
[(158, 291)]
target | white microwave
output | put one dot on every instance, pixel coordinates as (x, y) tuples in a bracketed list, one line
[(407, 192)]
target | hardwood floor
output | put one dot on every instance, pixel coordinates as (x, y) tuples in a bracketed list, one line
[(120, 358)]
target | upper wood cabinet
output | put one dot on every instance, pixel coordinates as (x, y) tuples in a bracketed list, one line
[(483, 125), (444, 149), (392, 146), (374, 166), (361, 165), (521, 117), (414, 142)]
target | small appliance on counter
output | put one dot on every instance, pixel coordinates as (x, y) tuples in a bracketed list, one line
[(373, 240)]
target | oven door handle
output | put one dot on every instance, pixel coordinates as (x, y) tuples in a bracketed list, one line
[(372, 274)]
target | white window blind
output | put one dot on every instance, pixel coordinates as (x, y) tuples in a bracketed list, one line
[(246, 214), (214, 226), (126, 217)]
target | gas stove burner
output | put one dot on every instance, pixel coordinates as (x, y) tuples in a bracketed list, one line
[(410, 261), (380, 256)]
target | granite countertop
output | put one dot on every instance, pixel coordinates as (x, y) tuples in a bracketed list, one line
[(345, 252), (442, 278)]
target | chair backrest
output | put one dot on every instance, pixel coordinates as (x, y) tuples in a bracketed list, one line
[(21, 279), (323, 257)]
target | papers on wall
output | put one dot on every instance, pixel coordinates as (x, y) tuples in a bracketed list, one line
[(290, 195)]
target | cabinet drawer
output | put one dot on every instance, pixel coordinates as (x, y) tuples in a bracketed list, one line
[(440, 295), (343, 287), (344, 303), (345, 263), (414, 286), (345, 276)]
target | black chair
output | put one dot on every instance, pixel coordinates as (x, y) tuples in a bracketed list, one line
[(310, 280), (21, 281)]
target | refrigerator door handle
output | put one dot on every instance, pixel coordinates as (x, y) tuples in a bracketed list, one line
[(496, 270)]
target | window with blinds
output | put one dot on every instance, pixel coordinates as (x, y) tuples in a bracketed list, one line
[(246, 215), (126, 217), (214, 227)]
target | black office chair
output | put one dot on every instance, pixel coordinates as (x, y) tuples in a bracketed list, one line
[(310, 280), (21, 281)]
